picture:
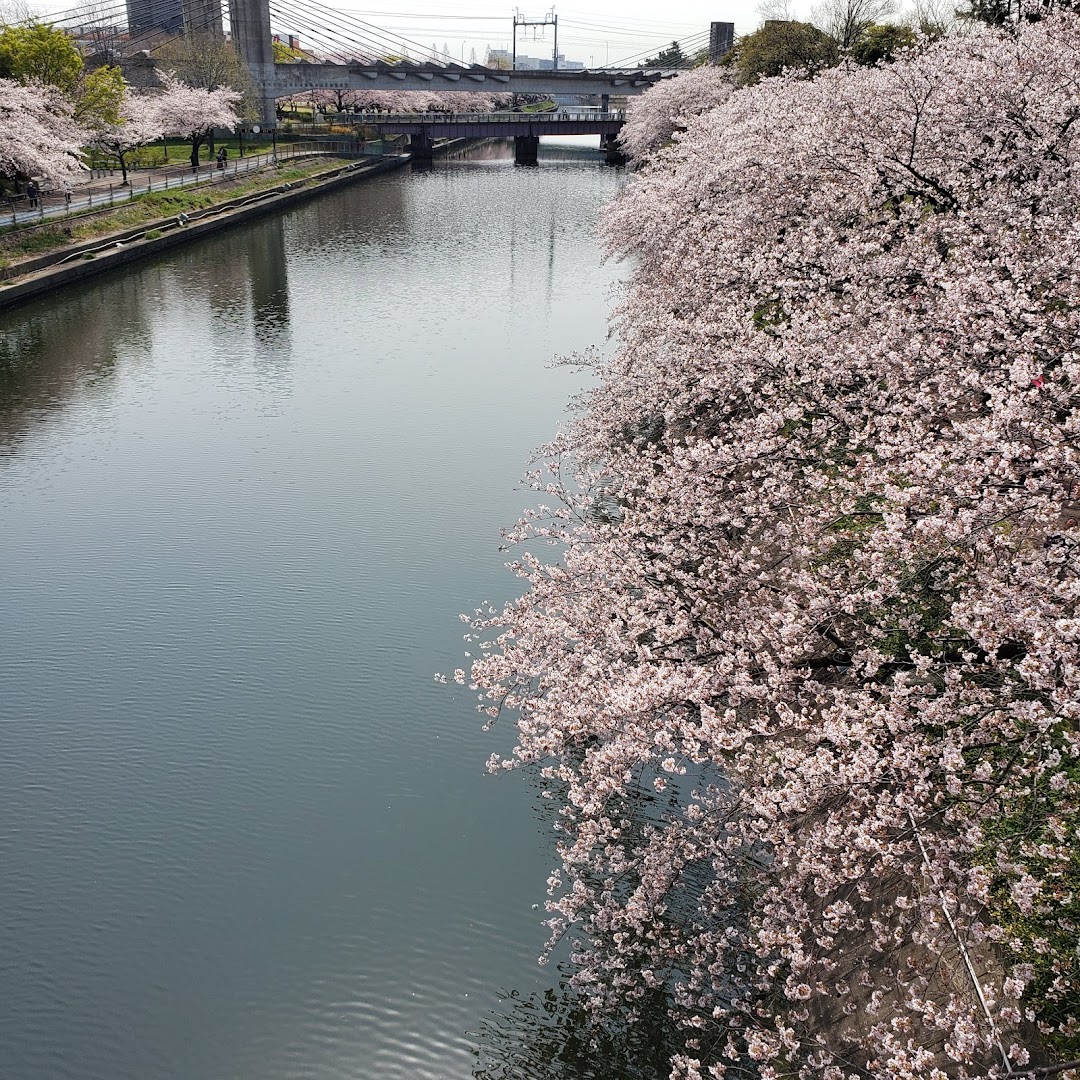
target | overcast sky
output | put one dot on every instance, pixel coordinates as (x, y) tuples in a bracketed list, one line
[(598, 31)]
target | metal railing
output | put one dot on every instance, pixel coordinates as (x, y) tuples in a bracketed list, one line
[(553, 118), (24, 210)]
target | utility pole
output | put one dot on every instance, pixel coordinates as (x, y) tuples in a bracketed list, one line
[(550, 19)]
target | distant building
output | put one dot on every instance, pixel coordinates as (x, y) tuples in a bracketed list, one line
[(150, 17), (203, 17), (545, 63), (146, 16), (721, 40)]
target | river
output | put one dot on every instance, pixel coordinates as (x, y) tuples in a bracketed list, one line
[(245, 491)]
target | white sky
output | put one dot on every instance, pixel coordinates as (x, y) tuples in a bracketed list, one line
[(597, 31)]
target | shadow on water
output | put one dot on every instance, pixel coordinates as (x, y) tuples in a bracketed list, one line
[(548, 1036)]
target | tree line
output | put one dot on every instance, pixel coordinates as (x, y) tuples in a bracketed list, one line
[(53, 108)]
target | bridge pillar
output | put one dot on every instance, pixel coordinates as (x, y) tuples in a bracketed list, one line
[(420, 145), (525, 149), (613, 152), (249, 21)]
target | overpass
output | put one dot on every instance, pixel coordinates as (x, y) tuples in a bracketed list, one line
[(525, 128), (251, 35), (286, 80)]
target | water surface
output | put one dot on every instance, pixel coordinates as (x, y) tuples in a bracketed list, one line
[(245, 490)]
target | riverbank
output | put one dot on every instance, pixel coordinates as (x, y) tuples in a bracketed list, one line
[(36, 275)]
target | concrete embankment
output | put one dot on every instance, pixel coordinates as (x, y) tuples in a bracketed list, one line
[(79, 262)]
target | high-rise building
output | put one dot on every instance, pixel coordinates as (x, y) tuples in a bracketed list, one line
[(203, 17), (148, 16), (721, 40)]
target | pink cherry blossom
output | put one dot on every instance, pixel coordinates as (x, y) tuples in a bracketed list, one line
[(139, 123), (38, 136), (819, 569)]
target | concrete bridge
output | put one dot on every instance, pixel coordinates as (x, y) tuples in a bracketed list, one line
[(250, 24), (524, 128)]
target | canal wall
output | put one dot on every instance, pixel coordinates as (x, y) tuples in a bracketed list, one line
[(82, 261)]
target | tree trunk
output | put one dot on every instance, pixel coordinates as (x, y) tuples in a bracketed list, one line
[(123, 166), (196, 142)]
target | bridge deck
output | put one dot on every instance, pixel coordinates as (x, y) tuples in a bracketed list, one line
[(284, 80), (489, 125)]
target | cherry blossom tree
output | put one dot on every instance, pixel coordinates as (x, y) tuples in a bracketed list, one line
[(656, 115), (411, 100), (139, 122), (805, 679), (38, 136), (193, 112)]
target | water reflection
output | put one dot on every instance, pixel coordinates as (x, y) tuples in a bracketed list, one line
[(245, 489), (269, 277), (243, 284), (41, 368), (548, 1036)]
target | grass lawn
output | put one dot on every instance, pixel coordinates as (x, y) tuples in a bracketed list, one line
[(25, 242)]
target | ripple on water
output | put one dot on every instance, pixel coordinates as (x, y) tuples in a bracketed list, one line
[(245, 490)]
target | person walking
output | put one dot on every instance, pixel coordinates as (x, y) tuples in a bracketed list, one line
[(33, 193), (222, 157)]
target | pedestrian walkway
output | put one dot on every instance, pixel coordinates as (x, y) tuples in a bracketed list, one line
[(103, 191)]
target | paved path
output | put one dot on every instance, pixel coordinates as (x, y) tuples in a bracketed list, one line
[(106, 190)]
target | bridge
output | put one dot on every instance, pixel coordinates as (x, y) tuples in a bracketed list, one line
[(251, 34), (274, 80), (525, 128), (352, 54), (286, 80)]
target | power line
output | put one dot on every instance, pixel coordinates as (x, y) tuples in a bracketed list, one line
[(688, 48), (363, 28)]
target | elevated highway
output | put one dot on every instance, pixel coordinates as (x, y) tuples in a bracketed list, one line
[(250, 25), (287, 80)]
